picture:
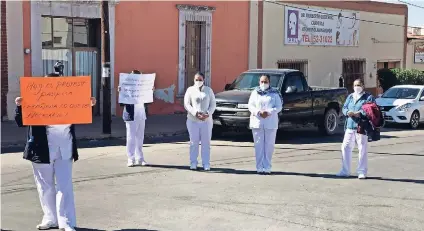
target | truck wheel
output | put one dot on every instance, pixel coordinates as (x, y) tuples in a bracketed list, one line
[(414, 123), (218, 131), (330, 123)]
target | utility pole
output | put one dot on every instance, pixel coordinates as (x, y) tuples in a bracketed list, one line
[(106, 75)]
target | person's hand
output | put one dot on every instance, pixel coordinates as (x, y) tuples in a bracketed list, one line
[(205, 116), (264, 114), (199, 115), (357, 114), (18, 101), (350, 114), (119, 88), (93, 101)]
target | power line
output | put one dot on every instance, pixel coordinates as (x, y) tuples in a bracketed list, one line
[(411, 4), (319, 12)]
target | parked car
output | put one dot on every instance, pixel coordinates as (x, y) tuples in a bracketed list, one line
[(403, 104), (303, 105)]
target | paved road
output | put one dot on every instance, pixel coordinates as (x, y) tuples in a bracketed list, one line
[(303, 193)]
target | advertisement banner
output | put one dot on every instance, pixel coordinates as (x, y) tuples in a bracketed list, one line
[(316, 27), (419, 53)]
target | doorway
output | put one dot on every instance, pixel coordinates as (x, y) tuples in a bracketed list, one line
[(195, 50)]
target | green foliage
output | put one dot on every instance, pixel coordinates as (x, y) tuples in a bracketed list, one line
[(387, 78), (409, 76)]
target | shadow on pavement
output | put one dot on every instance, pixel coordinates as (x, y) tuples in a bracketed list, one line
[(315, 175), (89, 229), (113, 142)]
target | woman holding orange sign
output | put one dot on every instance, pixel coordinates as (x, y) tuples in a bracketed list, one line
[(52, 149)]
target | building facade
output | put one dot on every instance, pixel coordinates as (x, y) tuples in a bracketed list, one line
[(415, 52), (330, 39), (175, 39)]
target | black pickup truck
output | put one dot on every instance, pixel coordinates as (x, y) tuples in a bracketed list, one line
[(302, 105)]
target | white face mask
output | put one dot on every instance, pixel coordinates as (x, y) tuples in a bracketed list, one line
[(264, 86), (198, 83), (358, 90)]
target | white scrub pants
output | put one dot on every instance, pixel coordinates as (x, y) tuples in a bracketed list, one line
[(264, 148), (200, 132), (57, 201), (135, 139), (350, 138)]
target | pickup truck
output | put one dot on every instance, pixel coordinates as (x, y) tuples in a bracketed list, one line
[(302, 105)]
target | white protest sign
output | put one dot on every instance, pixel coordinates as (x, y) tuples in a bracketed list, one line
[(136, 88)]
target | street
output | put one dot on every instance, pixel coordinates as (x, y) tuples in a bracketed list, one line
[(301, 194)]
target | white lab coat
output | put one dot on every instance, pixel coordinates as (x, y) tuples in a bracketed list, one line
[(57, 200), (264, 130), (199, 100), (135, 134)]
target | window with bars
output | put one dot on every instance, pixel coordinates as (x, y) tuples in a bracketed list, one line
[(59, 32), (75, 42), (301, 65), (352, 70)]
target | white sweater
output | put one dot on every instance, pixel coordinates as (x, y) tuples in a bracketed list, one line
[(199, 100)]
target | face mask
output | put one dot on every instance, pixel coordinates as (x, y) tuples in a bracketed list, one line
[(264, 86), (198, 83), (358, 90)]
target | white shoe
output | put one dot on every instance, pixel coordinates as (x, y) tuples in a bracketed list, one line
[(193, 167), (362, 176), (207, 168), (141, 163), (46, 226), (342, 174), (68, 229), (130, 163)]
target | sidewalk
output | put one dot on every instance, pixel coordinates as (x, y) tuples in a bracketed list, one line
[(156, 126)]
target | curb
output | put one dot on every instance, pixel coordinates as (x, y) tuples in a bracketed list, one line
[(101, 137)]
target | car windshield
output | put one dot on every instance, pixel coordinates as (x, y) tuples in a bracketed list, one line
[(248, 81), (401, 93)]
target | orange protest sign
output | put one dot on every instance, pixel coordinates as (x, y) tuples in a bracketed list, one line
[(56, 100)]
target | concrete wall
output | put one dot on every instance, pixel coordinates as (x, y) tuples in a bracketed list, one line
[(15, 53), (377, 43), (410, 56)]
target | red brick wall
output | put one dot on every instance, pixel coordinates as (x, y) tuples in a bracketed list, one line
[(4, 65)]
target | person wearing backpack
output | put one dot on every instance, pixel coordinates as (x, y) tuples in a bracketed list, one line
[(354, 113)]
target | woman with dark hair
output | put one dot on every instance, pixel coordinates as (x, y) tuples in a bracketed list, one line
[(352, 109), (52, 149), (199, 101), (134, 116), (264, 104)]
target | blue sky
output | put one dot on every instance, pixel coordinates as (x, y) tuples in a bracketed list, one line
[(415, 14)]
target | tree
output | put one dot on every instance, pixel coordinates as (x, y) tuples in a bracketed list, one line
[(386, 78)]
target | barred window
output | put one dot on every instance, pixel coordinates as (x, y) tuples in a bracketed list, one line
[(353, 69), (301, 65)]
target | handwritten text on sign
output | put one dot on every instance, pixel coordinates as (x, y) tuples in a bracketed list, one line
[(136, 88), (56, 100)]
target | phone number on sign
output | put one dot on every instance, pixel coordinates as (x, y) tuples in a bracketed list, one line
[(317, 39)]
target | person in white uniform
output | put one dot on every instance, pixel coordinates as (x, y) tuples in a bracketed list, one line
[(264, 105), (352, 109), (199, 101), (134, 116), (52, 149)]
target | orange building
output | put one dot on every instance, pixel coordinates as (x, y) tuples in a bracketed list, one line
[(173, 39), (177, 39)]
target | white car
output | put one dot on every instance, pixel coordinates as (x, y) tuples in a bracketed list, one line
[(403, 104)]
